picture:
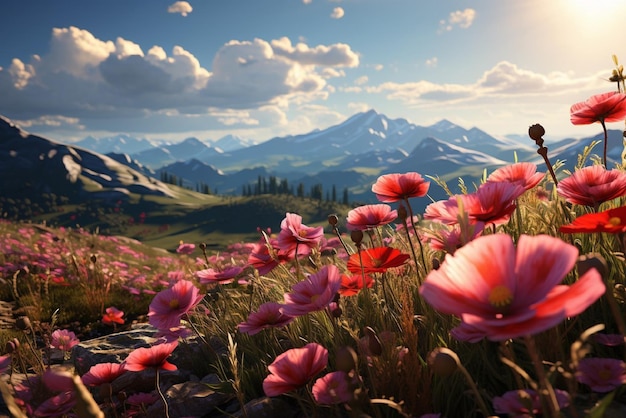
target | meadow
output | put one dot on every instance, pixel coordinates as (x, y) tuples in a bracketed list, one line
[(507, 299)]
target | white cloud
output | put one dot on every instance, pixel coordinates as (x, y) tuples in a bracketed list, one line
[(337, 13), (307, 1), (361, 80), (459, 18), (182, 7), (432, 62), (95, 80), (503, 80)]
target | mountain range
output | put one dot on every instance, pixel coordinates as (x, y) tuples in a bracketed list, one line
[(349, 155)]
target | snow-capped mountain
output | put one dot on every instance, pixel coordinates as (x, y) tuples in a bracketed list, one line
[(119, 144), (182, 151), (232, 143)]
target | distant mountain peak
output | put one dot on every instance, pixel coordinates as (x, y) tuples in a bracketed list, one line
[(443, 125)]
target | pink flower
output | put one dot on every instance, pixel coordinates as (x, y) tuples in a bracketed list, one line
[(63, 339), (610, 340), (295, 368), (314, 293), (173, 334), (524, 174), (5, 363), (391, 188), (154, 357), (184, 248), (515, 403), (113, 316), (261, 259), (57, 406), (294, 234), (170, 305), (493, 202), (212, 276), (500, 292), (605, 107), (593, 185), (268, 315), (451, 238), (444, 211), (370, 216), (333, 388), (601, 374), (58, 380), (103, 373)]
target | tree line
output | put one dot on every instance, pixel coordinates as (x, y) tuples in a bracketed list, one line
[(275, 186)]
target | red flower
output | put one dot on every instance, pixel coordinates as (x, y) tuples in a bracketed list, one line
[(268, 315), (352, 284), (294, 368), (501, 292), (391, 188), (593, 185), (376, 260), (370, 216), (524, 174), (113, 316), (605, 107), (612, 221), (154, 357)]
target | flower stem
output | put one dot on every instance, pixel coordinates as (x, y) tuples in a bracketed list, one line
[(546, 391), (606, 137)]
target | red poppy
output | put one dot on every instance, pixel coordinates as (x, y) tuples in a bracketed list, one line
[(103, 373), (612, 221), (493, 202), (113, 316), (377, 260), (524, 174), (154, 357), (391, 188), (295, 368), (352, 284), (605, 107)]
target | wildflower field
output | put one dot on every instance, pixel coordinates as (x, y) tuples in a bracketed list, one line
[(507, 300)]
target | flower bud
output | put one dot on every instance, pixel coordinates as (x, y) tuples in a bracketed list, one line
[(443, 361), (12, 346), (356, 236), (536, 132), (333, 219), (402, 213), (374, 345), (23, 323)]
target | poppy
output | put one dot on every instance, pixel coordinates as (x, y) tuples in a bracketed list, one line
[(391, 188), (376, 260), (612, 221)]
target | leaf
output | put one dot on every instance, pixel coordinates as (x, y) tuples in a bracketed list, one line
[(600, 408)]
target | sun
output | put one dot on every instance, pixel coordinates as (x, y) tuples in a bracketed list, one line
[(595, 8)]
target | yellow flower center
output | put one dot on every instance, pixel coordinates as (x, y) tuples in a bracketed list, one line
[(376, 262), (605, 375), (500, 296), (302, 233), (615, 221), (174, 304)]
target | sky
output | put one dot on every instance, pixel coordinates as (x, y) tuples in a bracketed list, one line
[(168, 70)]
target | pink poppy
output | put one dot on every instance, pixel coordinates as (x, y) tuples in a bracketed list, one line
[(604, 107), (391, 188), (370, 216), (593, 185), (601, 374), (333, 388), (610, 340), (444, 211), (170, 305), (294, 234), (263, 260), (113, 316), (500, 292), (314, 293), (154, 357), (352, 284), (524, 174), (493, 202), (57, 406), (173, 334), (451, 238), (5, 363), (295, 368), (63, 339), (515, 403), (103, 373), (269, 315), (185, 248), (213, 276)]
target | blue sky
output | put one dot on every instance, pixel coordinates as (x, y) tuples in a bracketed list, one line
[(265, 68)]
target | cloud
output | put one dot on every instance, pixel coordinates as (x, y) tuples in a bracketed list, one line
[(504, 80), (95, 80), (459, 18), (182, 7), (432, 62), (307, 1), (337, 13)]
